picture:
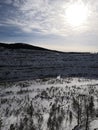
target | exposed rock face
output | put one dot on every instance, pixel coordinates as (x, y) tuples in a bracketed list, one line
[(20, 62)]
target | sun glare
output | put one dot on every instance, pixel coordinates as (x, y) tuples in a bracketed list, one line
[(76, 14)]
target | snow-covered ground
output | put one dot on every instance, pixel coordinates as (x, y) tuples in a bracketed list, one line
[(49, 104)]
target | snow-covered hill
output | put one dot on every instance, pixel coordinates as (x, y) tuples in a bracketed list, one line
[(21, 61)]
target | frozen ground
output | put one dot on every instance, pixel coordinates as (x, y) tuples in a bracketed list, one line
[(49, 104)]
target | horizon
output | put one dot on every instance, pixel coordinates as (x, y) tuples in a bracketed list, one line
[(49, 48), (62, 25)]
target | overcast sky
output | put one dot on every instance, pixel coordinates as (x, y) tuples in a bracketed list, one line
[(44, 23)]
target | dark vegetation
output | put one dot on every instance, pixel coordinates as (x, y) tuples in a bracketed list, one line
[(25, 62)]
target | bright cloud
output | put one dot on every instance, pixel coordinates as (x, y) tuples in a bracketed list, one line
[(47, 17)]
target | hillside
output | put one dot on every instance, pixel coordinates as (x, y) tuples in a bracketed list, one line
[(20, 46), (22, 61)]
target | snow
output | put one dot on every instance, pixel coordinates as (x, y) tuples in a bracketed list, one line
[(18, 97), (94, 124)]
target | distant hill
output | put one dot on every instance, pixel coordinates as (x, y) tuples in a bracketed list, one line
[(21, 46), (23, 62), (32, 47)]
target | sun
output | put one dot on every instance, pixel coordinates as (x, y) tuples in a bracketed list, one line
[(76, 14)]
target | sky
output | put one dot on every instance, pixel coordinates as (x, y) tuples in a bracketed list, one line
[(51, 24)]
